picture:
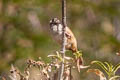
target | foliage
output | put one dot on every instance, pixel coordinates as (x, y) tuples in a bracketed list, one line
[(24, 30), (47, 71), (109, 69)]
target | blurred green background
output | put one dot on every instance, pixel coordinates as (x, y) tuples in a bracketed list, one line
[(24, 30)]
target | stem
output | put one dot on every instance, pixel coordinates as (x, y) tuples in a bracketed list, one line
[(63, 38), (70, 73)]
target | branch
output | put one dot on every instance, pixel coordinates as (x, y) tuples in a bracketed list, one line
[(63, 38)]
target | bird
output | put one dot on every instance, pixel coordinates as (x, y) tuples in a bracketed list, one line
[(56, 29)]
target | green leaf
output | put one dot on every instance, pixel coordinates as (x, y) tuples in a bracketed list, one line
[(116, 67), (111, 68), (108, 65), (56, 56), (78, 54), (101, 65), (98, 72), (114, 77)]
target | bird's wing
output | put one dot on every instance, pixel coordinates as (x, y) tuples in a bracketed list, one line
[(68, 33)]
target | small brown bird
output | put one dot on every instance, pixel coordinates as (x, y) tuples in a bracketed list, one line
[(56, 30)]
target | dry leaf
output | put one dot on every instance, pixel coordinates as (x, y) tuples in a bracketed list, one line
[(99, 73)]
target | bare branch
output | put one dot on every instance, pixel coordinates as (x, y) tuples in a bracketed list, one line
[(63, 38)]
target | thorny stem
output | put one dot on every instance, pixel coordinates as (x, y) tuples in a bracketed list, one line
[(63, 38)]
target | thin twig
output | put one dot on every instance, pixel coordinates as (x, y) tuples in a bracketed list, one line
[(63, 38), (70, 73)]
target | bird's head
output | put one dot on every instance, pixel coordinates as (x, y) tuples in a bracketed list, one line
[(55, 25), (55, 21)]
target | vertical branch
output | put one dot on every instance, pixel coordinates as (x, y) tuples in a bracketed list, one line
[(70, 73), (63, 38)]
